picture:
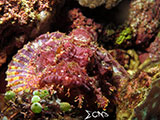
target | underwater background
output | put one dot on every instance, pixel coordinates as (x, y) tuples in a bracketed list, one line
[(79, 59)]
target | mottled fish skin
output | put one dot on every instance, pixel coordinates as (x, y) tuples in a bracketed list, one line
[(20, 74), (58, 60)]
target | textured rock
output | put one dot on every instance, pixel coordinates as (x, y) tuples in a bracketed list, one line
[(23, 20), (95, 3), (144, 19)]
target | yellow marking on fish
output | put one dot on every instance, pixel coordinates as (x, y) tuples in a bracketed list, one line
[(20, 89), (19, 61), (24, 72), (25, 46), (9, 79), (12, 67), (15, 83), (25, 56), (13, 73), (14, 78), (15, 59), (32, 46)]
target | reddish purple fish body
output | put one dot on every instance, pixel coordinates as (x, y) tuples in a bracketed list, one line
[(72, 64)]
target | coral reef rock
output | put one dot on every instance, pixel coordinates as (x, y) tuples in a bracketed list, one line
[(154, 50), (144, 19), (150, 107), (95, 3), (140, 97), (23, 20)]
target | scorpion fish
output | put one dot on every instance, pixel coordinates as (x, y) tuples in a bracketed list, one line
[(73, 65)]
